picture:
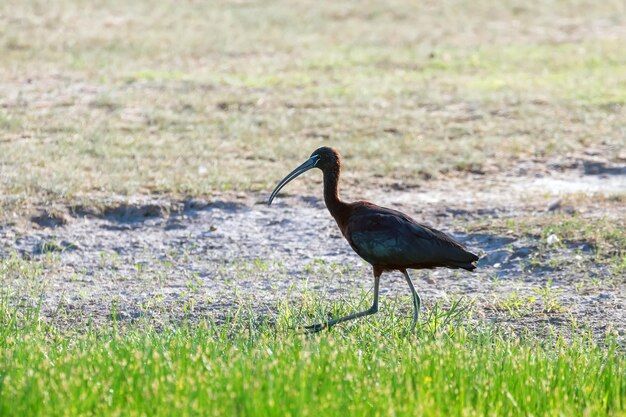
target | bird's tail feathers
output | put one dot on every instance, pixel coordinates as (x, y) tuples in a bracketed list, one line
[(460, 265), (468, 264)]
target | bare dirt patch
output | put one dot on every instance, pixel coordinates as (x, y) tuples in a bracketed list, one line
[(163, 260)]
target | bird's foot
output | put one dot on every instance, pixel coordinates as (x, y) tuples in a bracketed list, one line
[(315, 328)]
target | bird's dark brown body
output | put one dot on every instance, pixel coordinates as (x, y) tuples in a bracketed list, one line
[(388, 239), (391, 240)]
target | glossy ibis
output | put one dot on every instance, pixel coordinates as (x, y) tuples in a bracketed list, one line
[(388, 239)]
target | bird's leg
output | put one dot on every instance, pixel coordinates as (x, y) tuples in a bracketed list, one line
[(314, 328), (417, 301)]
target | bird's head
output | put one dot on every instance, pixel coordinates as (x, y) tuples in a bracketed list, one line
[(324, 158)]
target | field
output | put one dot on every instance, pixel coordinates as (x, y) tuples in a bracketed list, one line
[(141, 272)]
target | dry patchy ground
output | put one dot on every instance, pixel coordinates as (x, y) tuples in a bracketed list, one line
[(138, 142), (168, 260)]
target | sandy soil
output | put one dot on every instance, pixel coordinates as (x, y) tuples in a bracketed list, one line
[(162, 260)]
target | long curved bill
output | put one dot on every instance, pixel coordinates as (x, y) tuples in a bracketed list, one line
[(307, 165)]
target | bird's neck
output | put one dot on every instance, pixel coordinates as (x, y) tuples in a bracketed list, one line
[(334, 204)]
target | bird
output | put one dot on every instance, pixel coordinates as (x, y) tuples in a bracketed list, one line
[(387, 239)]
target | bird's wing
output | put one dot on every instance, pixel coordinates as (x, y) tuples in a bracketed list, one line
[(389, 238)]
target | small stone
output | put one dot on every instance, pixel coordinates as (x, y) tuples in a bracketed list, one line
[(554, 205), (553, 239)]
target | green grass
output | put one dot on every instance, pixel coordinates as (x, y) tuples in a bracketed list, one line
[(257, 368)]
